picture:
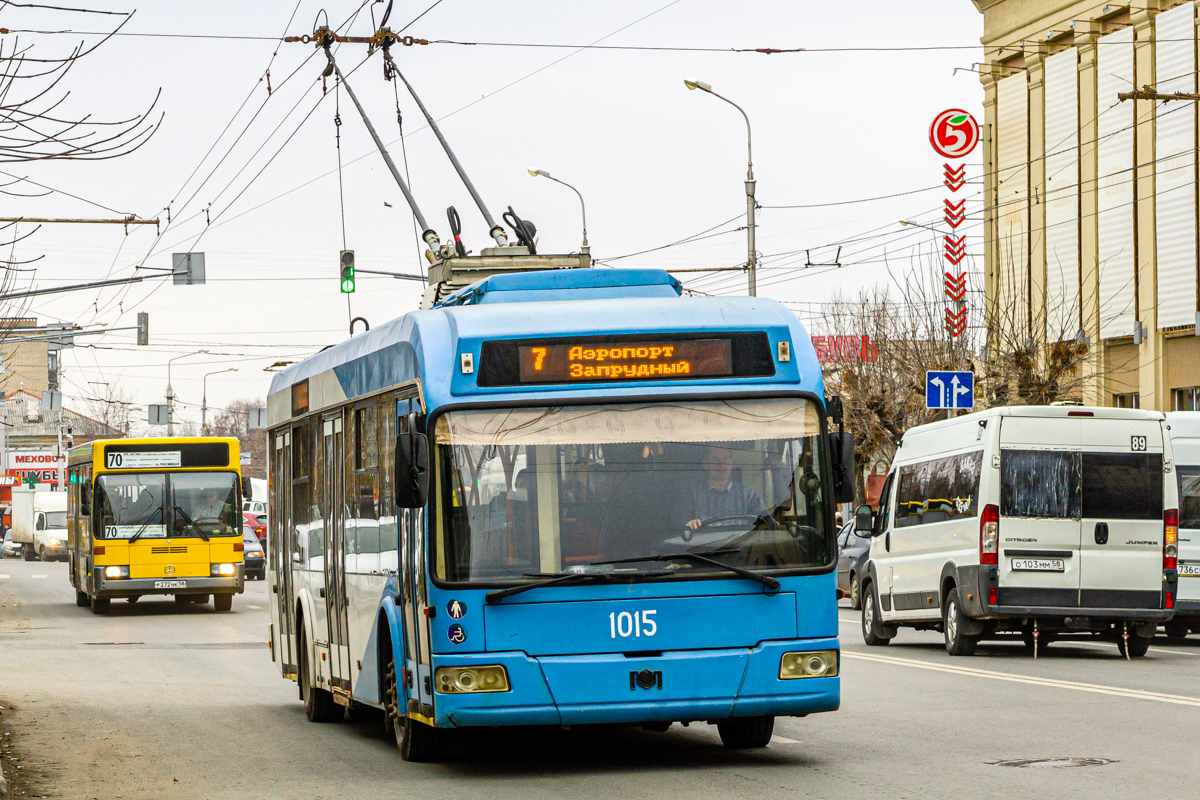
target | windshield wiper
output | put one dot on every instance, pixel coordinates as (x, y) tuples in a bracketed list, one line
[(191, 522), (142, 529), (567, 577), (771, 584)]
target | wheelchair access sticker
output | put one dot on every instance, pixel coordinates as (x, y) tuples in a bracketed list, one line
[(457, 634)]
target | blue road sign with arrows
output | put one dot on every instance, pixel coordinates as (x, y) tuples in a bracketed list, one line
[(950, 390)]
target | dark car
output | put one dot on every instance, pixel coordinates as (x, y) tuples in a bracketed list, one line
[(852, 560), (255, 558)]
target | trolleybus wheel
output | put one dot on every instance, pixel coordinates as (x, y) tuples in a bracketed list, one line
[(743, 733), (415, 740), (81, 599), (223, 602), (318, 703), (100, 605)]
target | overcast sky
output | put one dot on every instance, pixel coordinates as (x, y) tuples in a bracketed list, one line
[(654, 162)]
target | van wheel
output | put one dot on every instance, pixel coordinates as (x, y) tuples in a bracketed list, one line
[(957, 642), (855, 593), (873, 631), (223, 602), (81, 599), (318, 703), (27, 552), (1138, 645), (745, 733), (100, 605), (1177, 629), (42, 555)]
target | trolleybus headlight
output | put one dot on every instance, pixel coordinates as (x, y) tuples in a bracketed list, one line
[(460, 680), (116, 572), (224, 570), (821, 664)]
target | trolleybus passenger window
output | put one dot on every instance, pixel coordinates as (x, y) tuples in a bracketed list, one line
[(1189, 497), (1122, 485), (1040, 483), (387, 501), (302, 468)]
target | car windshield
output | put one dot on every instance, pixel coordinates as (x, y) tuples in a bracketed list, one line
[(56, 519), (200, 504), (538, 491)]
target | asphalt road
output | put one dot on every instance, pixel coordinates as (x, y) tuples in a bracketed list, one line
[(158, 702)]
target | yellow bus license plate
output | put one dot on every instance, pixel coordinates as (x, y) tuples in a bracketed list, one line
[(170, 584)]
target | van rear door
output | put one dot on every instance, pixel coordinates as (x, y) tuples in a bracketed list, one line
[(1121, 549), (1040, 502)]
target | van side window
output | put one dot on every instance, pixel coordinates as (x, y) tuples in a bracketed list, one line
[(1041, 483), (1189, 497), (938, 490)]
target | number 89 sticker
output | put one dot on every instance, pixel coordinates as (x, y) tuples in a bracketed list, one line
[(1137, 444)]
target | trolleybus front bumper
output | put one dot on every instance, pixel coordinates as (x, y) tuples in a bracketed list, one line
[(127, 587), (682, 686)]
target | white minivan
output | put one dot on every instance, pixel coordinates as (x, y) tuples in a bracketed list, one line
[(1032, 521), (1185, 442)]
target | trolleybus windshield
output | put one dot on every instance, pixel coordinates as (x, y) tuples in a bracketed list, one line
[(156, 505), (529, 492)]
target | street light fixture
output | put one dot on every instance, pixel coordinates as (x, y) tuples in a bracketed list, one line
[(542, 173), (907, 222), (204, 402), (171, 392), (751, 256)]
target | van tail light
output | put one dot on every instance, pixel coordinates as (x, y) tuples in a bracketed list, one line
[(992, 596), (1170, 602), (989, 535), (1171, 538)]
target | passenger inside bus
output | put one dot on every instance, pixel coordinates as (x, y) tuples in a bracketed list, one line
[(718, 495)]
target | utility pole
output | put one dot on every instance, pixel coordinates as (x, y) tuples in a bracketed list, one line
[(204, 401)]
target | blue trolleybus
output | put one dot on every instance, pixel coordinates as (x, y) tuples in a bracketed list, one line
[(559, 498)]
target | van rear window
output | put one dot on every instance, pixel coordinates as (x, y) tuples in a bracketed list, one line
[(1040, 483), (1122, 485), (1189, 497)]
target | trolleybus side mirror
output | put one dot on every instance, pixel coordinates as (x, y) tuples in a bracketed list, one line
[(247, 489), (412, 465), (864, 521), (841, 450)]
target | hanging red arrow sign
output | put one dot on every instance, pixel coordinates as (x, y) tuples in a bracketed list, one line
[(956, 286), (956, 321), (954, 179)]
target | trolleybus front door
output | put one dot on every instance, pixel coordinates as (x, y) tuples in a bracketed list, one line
[(280, 546), (333, 508)]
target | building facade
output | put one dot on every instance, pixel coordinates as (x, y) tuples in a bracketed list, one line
[(1091, 214)]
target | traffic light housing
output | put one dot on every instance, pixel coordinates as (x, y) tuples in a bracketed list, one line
[(347, 271), (143, 328)]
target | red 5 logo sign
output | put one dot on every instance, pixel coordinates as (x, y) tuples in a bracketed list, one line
[(954, 133)]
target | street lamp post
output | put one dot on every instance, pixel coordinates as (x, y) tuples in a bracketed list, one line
[(171, 392), (751, 255), (204, 402), (536, 172)]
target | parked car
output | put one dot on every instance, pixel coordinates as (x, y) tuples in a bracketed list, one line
[(853, 551), (254, 556), (254, 506), (9, 549)]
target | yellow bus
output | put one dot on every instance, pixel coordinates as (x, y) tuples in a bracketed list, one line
[(155, 516)]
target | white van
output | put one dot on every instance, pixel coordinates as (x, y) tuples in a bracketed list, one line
[(1014, 521), (1185, 442)]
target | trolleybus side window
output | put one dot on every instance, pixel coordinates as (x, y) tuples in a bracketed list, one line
[(1040, 483), (543, 490), (302, 469), (387, 500)]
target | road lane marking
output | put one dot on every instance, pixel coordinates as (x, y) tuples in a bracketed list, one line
[(783, 740), (38, 577), (3, 577), (256, 608), (1115, 691)]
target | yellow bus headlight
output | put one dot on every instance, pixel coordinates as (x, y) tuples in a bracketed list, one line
[(821, 664), (224, 570), (460, 680), (116, 572)]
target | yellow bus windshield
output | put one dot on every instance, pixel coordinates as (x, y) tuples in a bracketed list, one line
[(156, 505)]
